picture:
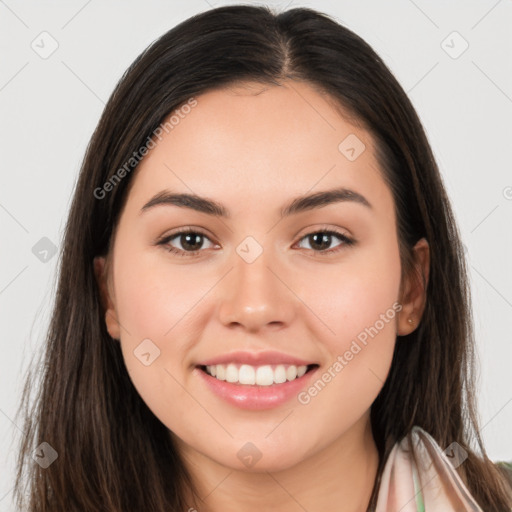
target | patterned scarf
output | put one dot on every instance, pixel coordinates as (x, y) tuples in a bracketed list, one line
[(435, 486)]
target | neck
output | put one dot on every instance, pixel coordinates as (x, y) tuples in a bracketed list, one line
[(338, 477)]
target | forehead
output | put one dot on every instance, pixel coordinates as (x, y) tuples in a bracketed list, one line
[(259, 142)]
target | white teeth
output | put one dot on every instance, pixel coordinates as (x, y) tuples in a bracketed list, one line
[(265, 375), (280, 374), (246, 375), (291, 372), (231, 373), (221, 372)]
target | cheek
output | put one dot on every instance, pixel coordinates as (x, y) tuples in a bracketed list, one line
[(358, 306), (155, 308), (165, 308), (355, 298), (155, 298)]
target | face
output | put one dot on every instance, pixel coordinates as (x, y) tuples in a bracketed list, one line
[(266, 286)]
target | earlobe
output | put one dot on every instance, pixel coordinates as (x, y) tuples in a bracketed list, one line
[(107, 303), (414, 294)]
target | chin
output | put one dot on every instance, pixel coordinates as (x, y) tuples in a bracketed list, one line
[(253, 457)]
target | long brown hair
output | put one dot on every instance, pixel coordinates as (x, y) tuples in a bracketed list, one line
[(113, 453)]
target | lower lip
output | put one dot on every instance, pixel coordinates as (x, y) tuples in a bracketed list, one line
[(256, 397)]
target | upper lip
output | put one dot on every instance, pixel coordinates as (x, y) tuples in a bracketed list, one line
[(256, 359)]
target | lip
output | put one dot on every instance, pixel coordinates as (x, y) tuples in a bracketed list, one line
[(256, 359), (254, 397)]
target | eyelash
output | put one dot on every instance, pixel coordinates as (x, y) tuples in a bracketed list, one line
[(178, 252)]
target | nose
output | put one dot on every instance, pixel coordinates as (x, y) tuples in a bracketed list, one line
[(257, 295)]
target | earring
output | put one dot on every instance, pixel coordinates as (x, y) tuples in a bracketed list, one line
[(410, 320)]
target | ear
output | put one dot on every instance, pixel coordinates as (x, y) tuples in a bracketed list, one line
[(413, 296), (107, 301)]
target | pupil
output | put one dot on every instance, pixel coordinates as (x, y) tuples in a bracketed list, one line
[(190, 238), (320, 239)]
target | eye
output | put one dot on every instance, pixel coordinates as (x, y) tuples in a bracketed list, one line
[(191, 241), (319, 241)]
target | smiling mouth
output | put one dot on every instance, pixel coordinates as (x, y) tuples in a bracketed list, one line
[(262, 375)]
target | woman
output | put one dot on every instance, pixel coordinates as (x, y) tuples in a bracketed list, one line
[(209, 350)]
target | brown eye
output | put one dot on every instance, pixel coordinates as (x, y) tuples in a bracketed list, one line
[(189, 242), (320, 241)]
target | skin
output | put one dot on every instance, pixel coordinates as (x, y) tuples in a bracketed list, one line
[(254, 148)]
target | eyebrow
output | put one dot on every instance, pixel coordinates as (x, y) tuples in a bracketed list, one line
[(297, 205)]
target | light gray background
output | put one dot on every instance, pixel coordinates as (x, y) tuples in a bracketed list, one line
[(50, 107)]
